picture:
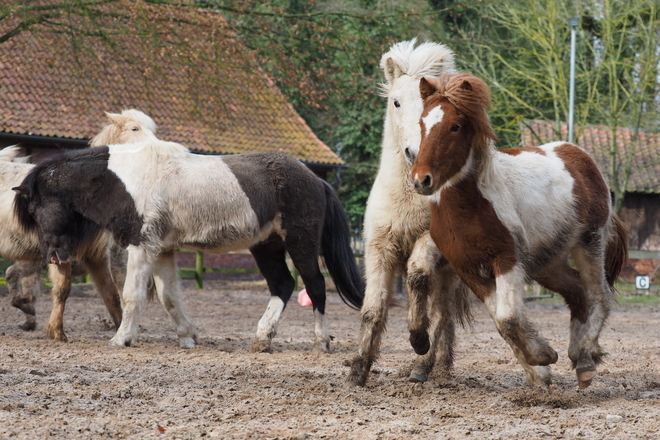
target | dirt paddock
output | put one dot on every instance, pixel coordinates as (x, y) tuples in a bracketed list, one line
[(84, 389)]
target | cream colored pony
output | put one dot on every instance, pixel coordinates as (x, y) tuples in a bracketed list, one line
[(397, 222)]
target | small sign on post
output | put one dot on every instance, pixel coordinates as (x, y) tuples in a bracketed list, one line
[(642, 282)]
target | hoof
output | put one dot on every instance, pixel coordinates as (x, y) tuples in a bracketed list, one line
[(357, 377), (585, 377), (420, 342), (120, 342), (544, 359), (187, 343), (24, 304), (416, 378), (28, 326), (261, 347), (57, 334), (322, 347)]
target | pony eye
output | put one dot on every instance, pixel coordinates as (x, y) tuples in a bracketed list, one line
[(135, 128), (397, 104), (455, 127)]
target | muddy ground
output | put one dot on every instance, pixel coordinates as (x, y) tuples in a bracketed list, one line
[(84, 389)]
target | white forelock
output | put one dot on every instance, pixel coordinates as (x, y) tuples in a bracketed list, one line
[(141, 118), (429, 59)]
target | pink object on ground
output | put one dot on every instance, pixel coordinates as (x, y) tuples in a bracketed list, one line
[(303, 298)]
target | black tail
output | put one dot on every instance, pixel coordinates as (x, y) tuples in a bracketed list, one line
[(616, 253), (337, 252)]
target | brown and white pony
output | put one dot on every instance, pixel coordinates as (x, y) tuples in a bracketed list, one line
[(505, 217), (396, 226)]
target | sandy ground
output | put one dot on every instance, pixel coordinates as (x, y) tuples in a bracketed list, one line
[(85, 389)]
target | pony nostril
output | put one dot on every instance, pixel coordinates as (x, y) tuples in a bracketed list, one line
[(426, 182), (407, 153)]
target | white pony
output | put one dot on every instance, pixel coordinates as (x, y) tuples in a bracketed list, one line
[(397, 222)]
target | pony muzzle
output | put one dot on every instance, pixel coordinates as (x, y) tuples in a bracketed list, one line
[(425, 186)]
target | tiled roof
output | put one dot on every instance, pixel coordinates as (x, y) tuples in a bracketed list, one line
[(201, 87), (595, 139)]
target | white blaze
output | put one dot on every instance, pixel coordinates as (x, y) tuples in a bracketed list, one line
[(434, 116)]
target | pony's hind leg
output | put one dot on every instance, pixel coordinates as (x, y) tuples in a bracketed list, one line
[(60, 276), (305, 259), (23, 284), (99, 269), (138, 275), (584, 349), (270, 257), (166, 279)]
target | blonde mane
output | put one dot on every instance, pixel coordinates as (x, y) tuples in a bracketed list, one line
[(426, 60)]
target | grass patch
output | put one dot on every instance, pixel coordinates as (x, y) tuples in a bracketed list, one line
[(651, 300)]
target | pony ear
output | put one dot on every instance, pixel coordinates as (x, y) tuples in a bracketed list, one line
[(391, 69), (115, 118), (467, 85), (21, 190), (426, 88)]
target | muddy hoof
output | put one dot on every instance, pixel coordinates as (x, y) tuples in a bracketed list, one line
[(585, 376), (58, 335), (416, 378), (28, 326), (359, 372), (420, 342), (322, 347), (261, 347), (543, 359)]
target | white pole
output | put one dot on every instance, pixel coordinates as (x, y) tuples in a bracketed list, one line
[(572, 22)]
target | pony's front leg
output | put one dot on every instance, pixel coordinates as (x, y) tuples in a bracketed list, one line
[(60, 276), (506, 307), (380, 276), (422, 266), (166, 278), (449, 302), (138, 274), (99, 269)]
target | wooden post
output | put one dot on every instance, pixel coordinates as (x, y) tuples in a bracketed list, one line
[(199, 269)]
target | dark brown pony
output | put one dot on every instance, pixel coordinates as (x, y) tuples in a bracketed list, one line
[(505, 217)]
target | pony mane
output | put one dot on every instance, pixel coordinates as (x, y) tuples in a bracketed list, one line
[(429, 59), (28, 186), (115, 132), (471, 96), (12, 153)]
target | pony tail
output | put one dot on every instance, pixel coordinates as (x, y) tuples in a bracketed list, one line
[(337, 252), (616, 253)]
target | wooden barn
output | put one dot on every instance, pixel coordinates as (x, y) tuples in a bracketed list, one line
[(206, 92), (641, 204)]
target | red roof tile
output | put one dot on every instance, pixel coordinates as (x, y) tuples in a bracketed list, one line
[(596, 139), (206, 92)]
